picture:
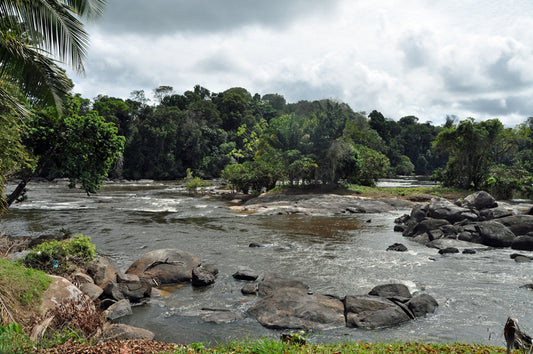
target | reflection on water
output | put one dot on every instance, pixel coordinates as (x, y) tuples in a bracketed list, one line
[(340, 255)]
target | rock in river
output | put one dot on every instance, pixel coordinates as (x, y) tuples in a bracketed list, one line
[(294, 308), (165, 266)]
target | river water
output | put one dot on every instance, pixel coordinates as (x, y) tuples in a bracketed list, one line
[(342, 255)]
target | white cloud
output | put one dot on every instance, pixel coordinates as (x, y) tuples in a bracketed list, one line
[(413, 57)]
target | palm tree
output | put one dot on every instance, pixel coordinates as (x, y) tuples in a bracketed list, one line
[(34, 36)]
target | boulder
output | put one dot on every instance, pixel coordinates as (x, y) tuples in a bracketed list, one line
[(395, 291), (61, 291), (250, 289), (124, 332), (79, 278), (245, 273), (425, 226), (118, 309), (518, 224), (419, 212), (134, 288), (272, 282), (165, 266), (440, 208), (422, 304), (494, 213), (202, 277), (523, 243), (398, 247), (448, 250), (494, 234), (92, 290), (104, 271), (294, 308), (444, 243), (372, 312), (479, 200), (218, 316)]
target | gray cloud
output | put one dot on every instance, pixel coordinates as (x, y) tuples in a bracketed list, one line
[(201, 16)]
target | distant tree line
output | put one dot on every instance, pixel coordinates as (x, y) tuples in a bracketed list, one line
[(257, 141)]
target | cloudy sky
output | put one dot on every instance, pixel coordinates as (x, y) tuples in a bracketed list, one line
[(428, 58)]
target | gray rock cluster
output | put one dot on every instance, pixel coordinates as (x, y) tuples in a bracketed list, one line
[(288, 304), (475, 220), (114, 291)]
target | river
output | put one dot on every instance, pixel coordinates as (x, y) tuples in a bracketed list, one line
[(342, 255)]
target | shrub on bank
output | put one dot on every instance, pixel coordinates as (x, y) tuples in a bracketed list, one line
[(61, 257)]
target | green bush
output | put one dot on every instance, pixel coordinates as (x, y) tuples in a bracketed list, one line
[(59, 257)]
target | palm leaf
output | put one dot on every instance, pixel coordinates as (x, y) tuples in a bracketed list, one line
[(37, 76), (55, 25)]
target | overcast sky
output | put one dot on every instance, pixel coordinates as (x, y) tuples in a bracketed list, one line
[(428, 58)]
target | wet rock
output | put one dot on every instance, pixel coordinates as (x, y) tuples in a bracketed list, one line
[(448, 250), (526, 286), (494, 234), (118, 309), (440, 208), (518, 224), (104, 271), (272, 282), (372, 312), (293, 308), (494, 213), (522, 259), (399, 228), (250, 289), (398, 247), (165, 266), (422, 304), (397, 291), (425, 226), (202, 277), (516, 255), (451, 243), (245, 273), (219, 316), (479, 200), (134, 288), (522, 243), (256, 245), (419, 212), (469, 251)]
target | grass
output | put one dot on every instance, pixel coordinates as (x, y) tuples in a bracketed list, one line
[(21, 287), (410, 193), (264, 346)]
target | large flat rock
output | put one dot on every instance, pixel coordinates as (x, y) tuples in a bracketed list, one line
[(320, 204)]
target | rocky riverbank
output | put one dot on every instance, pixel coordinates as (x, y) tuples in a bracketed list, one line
[(319, 204)]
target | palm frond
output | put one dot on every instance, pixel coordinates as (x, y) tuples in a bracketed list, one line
[(56, 25), (37, 76)]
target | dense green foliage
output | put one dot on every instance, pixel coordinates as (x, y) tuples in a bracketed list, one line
[(256, 142), (59, 257), (485, 155)]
